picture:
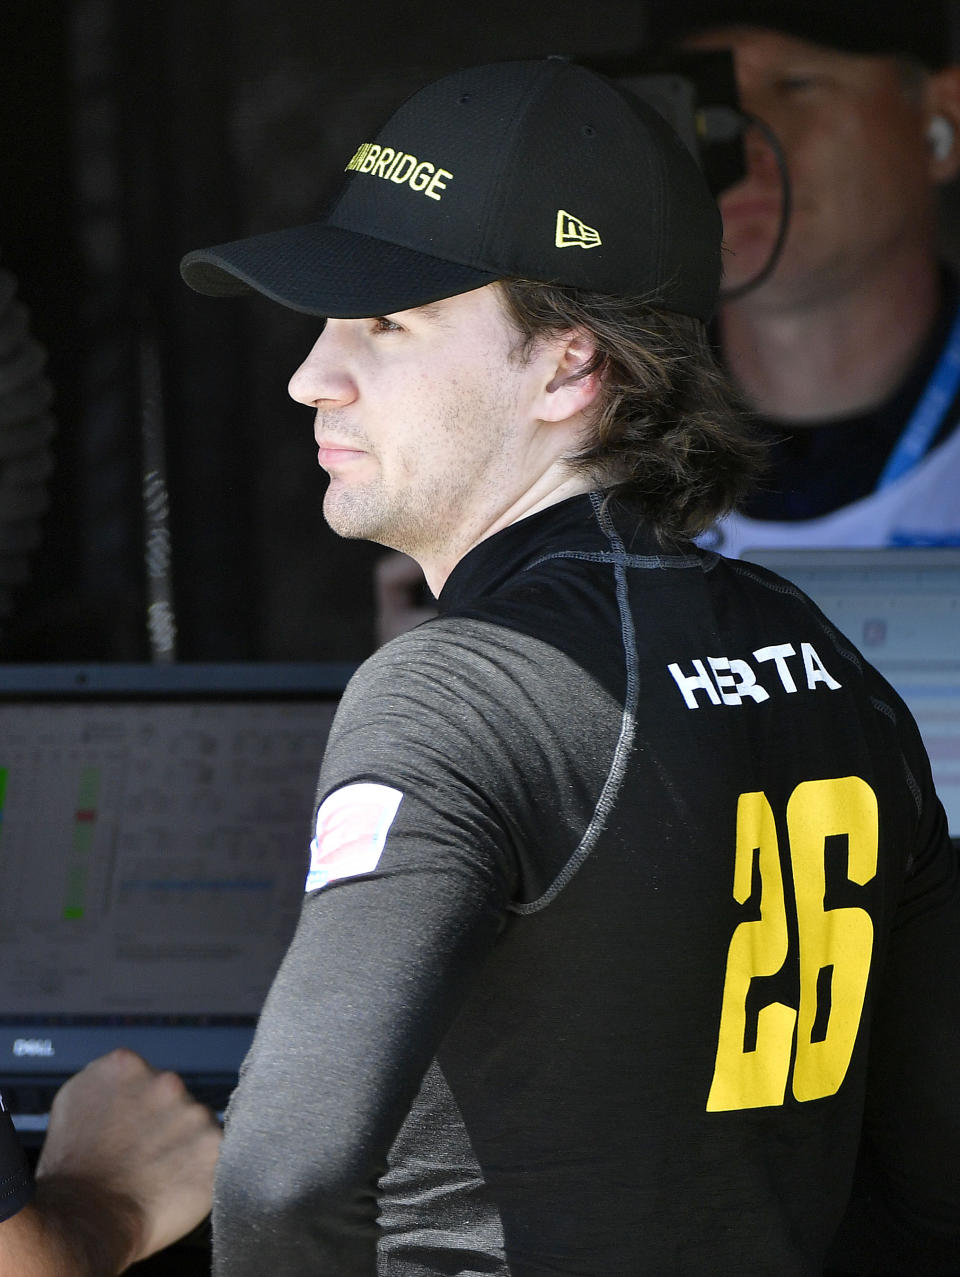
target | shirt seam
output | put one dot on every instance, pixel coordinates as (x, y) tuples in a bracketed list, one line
[(628, 722), (623, 558)]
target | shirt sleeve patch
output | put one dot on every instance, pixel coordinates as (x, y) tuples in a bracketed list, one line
[(352, 827)]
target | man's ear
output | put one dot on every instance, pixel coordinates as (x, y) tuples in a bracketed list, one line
[(571, 388), (943, 124)]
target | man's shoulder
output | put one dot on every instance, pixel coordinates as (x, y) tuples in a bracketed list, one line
[(436, 639), (480, 648), (468, 680)]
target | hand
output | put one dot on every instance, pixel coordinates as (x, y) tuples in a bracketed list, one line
[(398, 587), (128, 1139)]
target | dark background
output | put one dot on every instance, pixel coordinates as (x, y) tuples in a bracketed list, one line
[(133, 132)]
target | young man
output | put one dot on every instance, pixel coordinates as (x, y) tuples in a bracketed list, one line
[(126, 1169), (850, 351), (631, 922)]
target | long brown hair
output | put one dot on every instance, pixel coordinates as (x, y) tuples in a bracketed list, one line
[(668, 435)]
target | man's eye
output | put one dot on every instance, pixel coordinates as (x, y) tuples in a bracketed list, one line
[(383, 325)]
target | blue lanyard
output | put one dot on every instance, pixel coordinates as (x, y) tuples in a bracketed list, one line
[(928, 415)]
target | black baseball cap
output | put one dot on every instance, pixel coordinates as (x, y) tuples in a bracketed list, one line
[(538, 169), (919, 29)]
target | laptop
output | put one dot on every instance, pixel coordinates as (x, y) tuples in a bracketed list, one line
[(901, 607), (154, 831)]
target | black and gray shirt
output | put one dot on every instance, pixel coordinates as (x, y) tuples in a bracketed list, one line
[(633, 924)]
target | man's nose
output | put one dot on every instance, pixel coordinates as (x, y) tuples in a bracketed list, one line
[(323, 378), (760, 152), (760, 156)]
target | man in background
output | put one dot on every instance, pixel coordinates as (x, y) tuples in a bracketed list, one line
[(849, 353)]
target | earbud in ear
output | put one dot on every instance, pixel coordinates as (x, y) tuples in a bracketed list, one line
[(941, 136)]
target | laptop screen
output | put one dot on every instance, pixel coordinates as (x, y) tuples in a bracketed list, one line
[(901, 608), (154, 831)]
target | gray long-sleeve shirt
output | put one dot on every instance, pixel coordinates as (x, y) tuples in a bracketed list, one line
[(633, 925)]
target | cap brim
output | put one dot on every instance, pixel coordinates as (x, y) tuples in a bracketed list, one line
[(323, 270)]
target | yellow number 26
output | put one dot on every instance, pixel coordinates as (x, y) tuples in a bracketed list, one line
[(834, 944)]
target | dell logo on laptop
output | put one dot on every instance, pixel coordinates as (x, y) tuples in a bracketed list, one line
[(33, 1046)]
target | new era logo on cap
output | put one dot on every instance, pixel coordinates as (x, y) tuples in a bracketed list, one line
[(572, 233)]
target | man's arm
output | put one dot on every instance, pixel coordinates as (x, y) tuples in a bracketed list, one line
[(126, 1169), (377, 970), (435, 779)]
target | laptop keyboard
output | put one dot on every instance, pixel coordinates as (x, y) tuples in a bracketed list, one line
[(29, 1097)]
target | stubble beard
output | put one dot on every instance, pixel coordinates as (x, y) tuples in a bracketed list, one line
[(358, 514), (416, 521), (438, 510)]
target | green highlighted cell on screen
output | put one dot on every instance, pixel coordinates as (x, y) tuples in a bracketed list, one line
[(76, 883)]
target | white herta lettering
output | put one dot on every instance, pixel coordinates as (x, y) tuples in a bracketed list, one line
[(779, 654), (726, 680), (814, 668), (736, 680)]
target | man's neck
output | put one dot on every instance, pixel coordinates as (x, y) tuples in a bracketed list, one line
[(834, 357), (556, 485)]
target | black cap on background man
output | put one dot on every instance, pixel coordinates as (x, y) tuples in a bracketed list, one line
[(917, 30)]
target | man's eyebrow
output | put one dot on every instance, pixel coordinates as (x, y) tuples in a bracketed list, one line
[(431, 310)]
